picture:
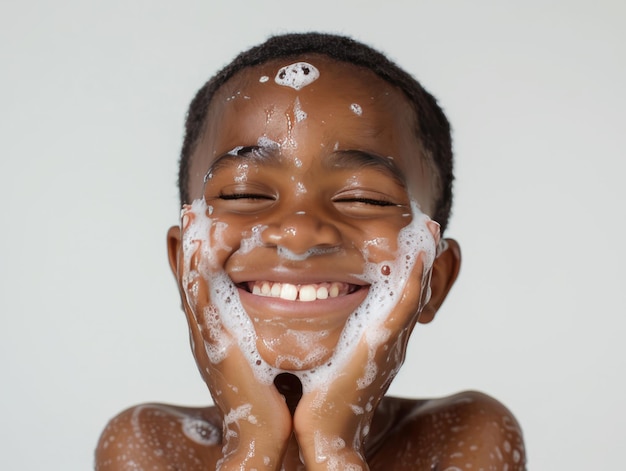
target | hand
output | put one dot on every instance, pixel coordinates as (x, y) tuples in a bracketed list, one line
[(256, 421), (332, 421)]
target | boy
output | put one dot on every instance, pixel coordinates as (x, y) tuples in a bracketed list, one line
[(312, 173)]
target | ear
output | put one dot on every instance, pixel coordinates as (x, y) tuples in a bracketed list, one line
[(444, 272), (174, 254), (173, 248)]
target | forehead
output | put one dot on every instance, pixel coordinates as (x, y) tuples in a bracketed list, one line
[(310, 73), (336, 106), (331, 89)]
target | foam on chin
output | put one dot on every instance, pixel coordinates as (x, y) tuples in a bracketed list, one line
[(386, 279)]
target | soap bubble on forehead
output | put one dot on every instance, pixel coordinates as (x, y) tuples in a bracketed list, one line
[(356, 109), (297, 75)]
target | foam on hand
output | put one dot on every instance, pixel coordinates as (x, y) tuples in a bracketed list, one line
[(387, 282)]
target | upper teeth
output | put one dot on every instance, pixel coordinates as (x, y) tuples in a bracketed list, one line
[(292, 292)]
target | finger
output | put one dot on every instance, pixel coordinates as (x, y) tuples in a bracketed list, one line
[(404, 314), (196, 295), (199, 289), (196, 256)]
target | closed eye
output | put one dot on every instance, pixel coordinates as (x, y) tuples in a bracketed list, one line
[(371, 201), (231, 201), (368, 203), (241, 196)]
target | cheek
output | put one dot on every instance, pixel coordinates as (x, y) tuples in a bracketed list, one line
[(221, 241), (207, 241), (379, 242), (378, 249), (398, 259)]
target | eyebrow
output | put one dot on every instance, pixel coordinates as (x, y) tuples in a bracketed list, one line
[(356, 159), (266, 155), (341, 159)]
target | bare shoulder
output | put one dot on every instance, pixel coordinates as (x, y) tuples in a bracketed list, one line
[(157, 436), (469, 430)]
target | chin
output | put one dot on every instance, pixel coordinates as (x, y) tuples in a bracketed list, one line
[(296, 351)]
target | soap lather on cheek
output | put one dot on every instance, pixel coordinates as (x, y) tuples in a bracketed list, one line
[(224, 319), (226, 314)]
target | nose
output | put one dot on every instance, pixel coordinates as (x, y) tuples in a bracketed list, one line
[(300, 232)]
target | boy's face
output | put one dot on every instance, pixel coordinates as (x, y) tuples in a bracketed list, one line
[(306, 185)]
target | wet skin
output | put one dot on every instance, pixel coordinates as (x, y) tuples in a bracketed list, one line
[(326, 193), (335, 180)]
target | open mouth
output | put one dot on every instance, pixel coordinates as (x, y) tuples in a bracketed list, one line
[(300, 292)]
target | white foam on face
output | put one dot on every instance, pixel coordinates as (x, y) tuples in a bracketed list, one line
[(297, 75), (298, 112), (266, 142), (315, 353), (284, 252), (252, 239), (307, 339), (356, 109), (233, 151), (263, 78), (300, 188), (377, 242), (387, 282), (384, 294), (242, 173)]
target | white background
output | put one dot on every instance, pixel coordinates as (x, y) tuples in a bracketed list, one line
[(92, 102)]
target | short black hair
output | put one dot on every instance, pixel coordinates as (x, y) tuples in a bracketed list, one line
[(432, 126)]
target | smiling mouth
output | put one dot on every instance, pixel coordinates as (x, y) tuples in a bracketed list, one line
[(297, 292)]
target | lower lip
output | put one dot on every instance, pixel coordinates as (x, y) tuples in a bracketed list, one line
[(270, 307)]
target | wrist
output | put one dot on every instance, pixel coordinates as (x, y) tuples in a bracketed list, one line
[(254, 437), (328, 450), (259, 451)]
